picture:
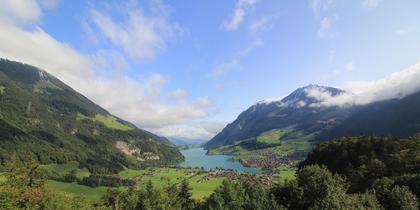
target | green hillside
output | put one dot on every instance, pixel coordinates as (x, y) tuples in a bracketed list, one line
[(44, 119)]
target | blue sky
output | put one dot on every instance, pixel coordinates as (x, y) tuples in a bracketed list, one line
[(186, 68)]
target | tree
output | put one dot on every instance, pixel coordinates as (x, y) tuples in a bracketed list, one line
[(289, 195), (184, 196), (321, 189)]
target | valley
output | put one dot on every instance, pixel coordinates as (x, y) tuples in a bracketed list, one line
[(204, 174), (209, 105)]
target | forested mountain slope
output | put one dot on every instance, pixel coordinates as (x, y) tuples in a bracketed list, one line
[(293, 124), (44, 119)]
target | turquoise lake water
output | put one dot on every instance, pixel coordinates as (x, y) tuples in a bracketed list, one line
[(196, 157)]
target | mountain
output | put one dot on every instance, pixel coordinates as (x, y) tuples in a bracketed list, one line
[(187, 142), (44, 119), (292, 126)]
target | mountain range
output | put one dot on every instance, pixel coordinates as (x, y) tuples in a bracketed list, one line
[(293, 125), (43, 119)]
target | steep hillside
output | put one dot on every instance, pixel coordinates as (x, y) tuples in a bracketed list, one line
[(288, 124), (44, 119), (290, 127), (397, 117)]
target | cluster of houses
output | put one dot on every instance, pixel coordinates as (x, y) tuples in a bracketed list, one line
[(269, 160), (265, 179)]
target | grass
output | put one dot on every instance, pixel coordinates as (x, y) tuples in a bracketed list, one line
[(91, 194), (64, 169), (161, 178), (201, 190), (271, 137), (45, 84), (108, 121), (131, 173), (296, 144), (165, 176)]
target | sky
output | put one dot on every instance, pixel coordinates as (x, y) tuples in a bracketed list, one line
[(186, 68)]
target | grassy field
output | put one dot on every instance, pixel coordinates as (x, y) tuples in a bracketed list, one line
[(108, 121), (164, 176), (271, 137), (201, 190), (161, 178), (91, 194), (296, 143), (131, 173), (64, 169)]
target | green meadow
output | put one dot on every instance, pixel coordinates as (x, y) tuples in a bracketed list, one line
[(108, 121), (161, 178), (64, 169), (91, 194)]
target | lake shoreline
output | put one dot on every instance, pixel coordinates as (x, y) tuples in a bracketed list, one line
[(198, 157)]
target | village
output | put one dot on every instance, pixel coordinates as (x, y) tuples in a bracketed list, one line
[(267, 178), (268, 160)]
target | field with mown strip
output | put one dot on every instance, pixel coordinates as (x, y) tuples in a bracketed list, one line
[(67, 168), (201, 190), (131, 173), (90, 193), (162, 177)]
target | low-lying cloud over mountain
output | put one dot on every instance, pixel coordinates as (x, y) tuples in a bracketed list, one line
[(397, 85)]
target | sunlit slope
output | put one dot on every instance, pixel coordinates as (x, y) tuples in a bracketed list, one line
[(293, 125), (44, 119)]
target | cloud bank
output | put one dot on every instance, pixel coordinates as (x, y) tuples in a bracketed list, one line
[(395, 86)]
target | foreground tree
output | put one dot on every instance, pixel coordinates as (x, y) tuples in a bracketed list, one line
[(317, 188), (393, 197), (23, 188)]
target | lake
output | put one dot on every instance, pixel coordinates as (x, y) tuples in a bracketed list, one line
[(196, 157)]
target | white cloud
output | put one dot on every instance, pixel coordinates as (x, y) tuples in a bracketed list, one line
[(261, 23), (137, 34), (136, 100), (24, 11), (319, 6), (239, 13), (257, 42), (178, 94), (371, 3), (222, 68), (38, 48), (211, 127), (326, 26), (202, 102), (184, 132), (201, 130), (397, 85), (20, 10)]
